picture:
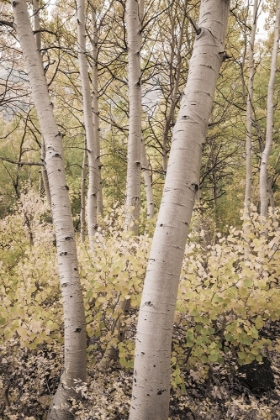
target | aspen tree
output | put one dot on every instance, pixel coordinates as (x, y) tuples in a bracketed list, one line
[(74, 316), (174, 79), (95, 106), (269, 118), (136, 156), (151, 381), (134, 136), (89, 126), (249, 110), (36, 23), (83, 197), (145, 166), (37, 27), (147, 175)]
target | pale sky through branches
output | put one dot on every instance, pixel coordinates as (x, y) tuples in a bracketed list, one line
[(261, 32)]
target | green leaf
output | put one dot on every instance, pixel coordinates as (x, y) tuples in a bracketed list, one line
[(247, 283)]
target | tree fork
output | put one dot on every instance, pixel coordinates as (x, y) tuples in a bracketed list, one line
[(151, 381)]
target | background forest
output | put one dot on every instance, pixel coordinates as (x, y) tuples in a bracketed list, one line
[(227, 312)]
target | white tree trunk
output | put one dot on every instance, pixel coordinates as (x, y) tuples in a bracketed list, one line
[(36, 23), (269, 118), (74, 317), (37, 27), (174, 79), (147, 175), (44, 174), (151, 383), (134, 12), (83, 197), (145, 164), (95, 106), (135, 109), (249, 110), (88, 120)]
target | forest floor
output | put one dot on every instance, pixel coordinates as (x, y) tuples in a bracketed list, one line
[(251, 392)]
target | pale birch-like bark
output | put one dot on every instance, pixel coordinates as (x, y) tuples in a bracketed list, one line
[(151, 382), (145, 165), (44, 174), (249, 110), (83, 197), (95, 106), (269, 118), (88, 121), (37, 27), (134, 13), (147, 175), (36, 23), (74, 316), (175, 79), (134, 137)]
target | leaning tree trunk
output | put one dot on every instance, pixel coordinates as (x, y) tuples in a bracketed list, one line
[(74, 316), (151, 382), (269, 118), (134, 136), (249, 111), (88, 120)]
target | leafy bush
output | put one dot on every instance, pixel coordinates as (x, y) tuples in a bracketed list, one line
[(228, 293), (113, 272)]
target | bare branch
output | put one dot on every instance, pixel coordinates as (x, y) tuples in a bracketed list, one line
[(20, 162)]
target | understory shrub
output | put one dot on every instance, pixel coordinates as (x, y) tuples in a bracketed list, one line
[(228, 293)]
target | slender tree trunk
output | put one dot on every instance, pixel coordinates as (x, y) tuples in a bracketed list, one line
[(44, 173), (147, 175), (88, 120), (135, 109), (111, 352), (83, 197), (151, 382), (74, 316), (134, 11), (271, 196), (145, 165), (269, 118), (95, 105), (249, 111), (36, 23), (175, 82), (37, 27)]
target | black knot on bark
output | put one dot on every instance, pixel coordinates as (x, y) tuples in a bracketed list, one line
[(195, 186), (161, 391), (78, 329)]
